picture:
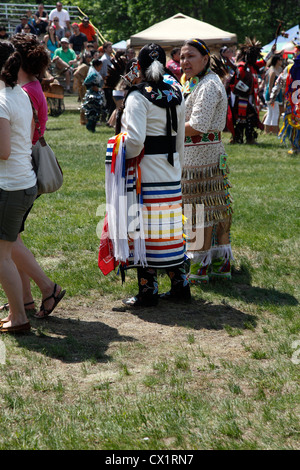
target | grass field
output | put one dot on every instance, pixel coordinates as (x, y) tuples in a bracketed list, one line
[(221, 373)]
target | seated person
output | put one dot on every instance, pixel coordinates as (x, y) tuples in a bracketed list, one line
[(24, 26), (78, 41), (86, 28), (41, 20), (3, 33), (60, 32), (51, 41), (65, 59)]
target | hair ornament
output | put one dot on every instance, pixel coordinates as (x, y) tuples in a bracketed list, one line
[(202, 46)]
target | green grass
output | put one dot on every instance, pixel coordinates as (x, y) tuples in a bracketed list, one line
[(219, 374)]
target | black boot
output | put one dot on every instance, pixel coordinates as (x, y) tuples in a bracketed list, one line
[(91, 126)]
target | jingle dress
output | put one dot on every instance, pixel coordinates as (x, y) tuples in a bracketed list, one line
[(204, 176)]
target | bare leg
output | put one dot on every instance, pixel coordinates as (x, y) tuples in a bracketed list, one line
[(26, 263), (12, 285)]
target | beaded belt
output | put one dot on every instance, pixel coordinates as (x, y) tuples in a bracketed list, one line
[(203, 139)]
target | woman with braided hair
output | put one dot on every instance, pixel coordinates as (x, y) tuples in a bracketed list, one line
[(204, 176), (17, 181), (153, 130)]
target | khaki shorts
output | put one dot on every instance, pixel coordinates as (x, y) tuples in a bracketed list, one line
[(13, 206)]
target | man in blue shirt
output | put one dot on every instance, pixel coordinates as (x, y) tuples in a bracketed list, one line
[(24, 26)]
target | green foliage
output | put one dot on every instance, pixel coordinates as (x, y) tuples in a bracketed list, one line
[(120, 19)]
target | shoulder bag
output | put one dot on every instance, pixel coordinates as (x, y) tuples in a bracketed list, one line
[(48, 171)]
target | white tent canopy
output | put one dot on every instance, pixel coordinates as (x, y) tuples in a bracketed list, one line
[(285, 43), (175, 30), (120, 45)]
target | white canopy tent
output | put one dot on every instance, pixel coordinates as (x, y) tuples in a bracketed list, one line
[(283, 42), (175, 30)]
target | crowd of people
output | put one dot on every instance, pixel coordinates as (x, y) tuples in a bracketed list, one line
[(167, 157), (73, 48)]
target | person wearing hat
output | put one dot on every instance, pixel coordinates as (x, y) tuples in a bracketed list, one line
[(153, 121), (62, 14), (86, 28), (78, 41), (24, 26), (65, 59)]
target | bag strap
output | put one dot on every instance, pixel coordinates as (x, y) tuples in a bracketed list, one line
[(37, 122)]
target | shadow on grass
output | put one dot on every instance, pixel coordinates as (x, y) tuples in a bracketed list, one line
[(241, 288), (71, 341), (197, 315), (201, 314)]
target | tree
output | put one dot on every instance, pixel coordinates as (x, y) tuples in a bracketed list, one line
[(119, 19)]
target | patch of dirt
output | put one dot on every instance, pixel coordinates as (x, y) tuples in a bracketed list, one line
[(79, 332)]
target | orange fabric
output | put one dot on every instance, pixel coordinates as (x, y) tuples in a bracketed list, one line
[(89, 31)]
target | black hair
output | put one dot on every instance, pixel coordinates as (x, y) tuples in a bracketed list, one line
[(175, 51), (275, 59), (152, 61), (96, 62), (10, 63), (201, 47)]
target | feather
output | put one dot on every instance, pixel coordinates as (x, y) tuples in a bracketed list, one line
[(155, 71), (114, 72), (218, 66)]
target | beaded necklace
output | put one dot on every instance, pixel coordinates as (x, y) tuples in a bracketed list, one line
[(190, 85)]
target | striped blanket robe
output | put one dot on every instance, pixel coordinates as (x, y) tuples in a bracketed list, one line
[(160, 182)]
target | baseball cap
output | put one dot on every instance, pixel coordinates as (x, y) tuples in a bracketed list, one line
[(75, 24), (64, 40)]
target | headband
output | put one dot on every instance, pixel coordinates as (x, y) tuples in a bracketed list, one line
[(203, 46)]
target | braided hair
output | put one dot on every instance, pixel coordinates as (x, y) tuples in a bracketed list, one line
[(10, 63)]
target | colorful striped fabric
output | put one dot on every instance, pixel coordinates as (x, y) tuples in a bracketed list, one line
[(162, 220)]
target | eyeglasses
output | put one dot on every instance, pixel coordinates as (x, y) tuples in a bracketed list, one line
[(56, 21)]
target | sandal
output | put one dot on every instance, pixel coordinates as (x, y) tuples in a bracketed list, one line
[(15, 329), (57, 298)]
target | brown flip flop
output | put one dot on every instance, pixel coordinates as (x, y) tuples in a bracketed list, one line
[(15, 329)]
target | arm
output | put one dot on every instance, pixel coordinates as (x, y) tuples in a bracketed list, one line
[(5, 148), (136, 117), (180, 132), (190, 131), (271, 80)]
